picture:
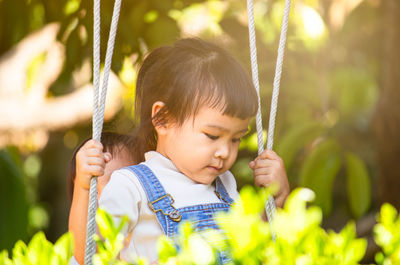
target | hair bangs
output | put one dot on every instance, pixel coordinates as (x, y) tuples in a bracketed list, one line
[(228, 88)]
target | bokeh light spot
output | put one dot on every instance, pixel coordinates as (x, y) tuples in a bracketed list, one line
[(70, 139), (32, 165)]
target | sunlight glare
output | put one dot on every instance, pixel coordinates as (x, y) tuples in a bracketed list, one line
[(314, 26)]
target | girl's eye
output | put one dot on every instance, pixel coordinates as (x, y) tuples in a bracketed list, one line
[(212, 137), (236, 140)]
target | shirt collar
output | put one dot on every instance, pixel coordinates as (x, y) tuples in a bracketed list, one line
[(161, 160), (156, 158)]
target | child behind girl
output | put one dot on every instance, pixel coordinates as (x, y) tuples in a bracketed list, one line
[(195, 102), (87, 161)]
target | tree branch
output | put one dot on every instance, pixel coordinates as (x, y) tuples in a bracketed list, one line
[(26, 111)]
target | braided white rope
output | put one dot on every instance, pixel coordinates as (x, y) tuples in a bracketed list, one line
[(98, 111), (278, 75), (270, 207)]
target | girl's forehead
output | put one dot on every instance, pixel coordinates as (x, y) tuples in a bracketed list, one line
[(215, 117)]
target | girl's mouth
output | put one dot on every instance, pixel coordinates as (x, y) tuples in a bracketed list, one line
[(215, 169)]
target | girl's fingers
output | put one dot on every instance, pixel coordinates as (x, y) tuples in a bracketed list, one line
[(83, 155), (263, 180), (93, 156), (94, 152), (269, 154), (263, 171), (280, 200), (83, 180), (90, 169), (261, 163), (93, 144), (95, 161), (252, 164), (95, 170)]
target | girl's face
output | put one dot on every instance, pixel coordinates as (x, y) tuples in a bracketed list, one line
[(205, 145)]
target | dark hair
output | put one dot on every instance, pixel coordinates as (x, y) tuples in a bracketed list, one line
[(185, 76), (112, 142)]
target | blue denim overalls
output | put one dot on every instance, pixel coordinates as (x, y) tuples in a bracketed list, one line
[(200, 216)]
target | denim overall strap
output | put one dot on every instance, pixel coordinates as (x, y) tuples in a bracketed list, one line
[(159, 201), (221, 192)]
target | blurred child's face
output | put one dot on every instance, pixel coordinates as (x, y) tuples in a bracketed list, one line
[(205, 145), (121, 158)]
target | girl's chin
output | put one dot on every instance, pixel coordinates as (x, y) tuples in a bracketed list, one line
[(206, 180)]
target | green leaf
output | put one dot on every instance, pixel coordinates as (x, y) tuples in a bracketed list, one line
[(387, 235), (354, 90), (64, 248), (388, 214), (319, 171), (4, 260), (166, 249), (105, 223), (108, 249), (19, 252), (199, 250), (358, 185), (295, 221), (40, 251), (295, 139), (71, 6)]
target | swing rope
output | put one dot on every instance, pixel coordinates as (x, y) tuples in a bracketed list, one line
[(98, 111), (270, 207)]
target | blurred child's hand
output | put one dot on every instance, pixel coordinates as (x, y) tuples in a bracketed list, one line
[(90, 161), (268, 167)]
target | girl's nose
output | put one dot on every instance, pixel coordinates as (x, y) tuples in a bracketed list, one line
[(223, 151)]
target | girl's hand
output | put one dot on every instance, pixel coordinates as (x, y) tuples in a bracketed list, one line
[(268, 167), (90, 161)]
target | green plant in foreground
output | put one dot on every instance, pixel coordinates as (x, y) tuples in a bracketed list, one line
[(247, 239), (244, 238), (40, 251), (108, 249), (387, 236)]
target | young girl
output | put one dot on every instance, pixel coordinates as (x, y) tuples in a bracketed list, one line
[(88, 161), (195, 102)]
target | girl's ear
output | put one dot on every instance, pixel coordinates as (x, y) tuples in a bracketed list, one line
[(159, 127)]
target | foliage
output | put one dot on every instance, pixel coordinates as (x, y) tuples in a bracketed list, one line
[(40, 251), (319, 171), (108, 249), (13, 202), (326, 100), (244, 238), (387, 236)]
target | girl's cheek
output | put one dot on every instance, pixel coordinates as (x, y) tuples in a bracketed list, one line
[(235, 153), (235, 148)]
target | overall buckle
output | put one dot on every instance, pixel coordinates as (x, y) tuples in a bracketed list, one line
[(175, 215)]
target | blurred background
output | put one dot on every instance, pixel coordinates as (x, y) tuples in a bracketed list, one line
[(338, 121)]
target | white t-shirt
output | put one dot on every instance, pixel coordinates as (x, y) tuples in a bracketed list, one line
[(124, 195)]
